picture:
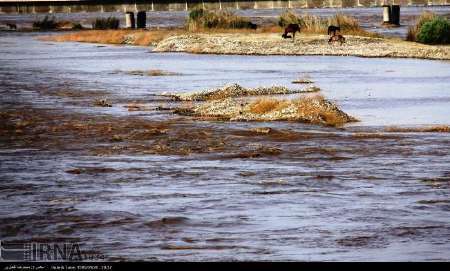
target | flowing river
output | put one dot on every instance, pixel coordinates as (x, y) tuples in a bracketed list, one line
[(353, 193)]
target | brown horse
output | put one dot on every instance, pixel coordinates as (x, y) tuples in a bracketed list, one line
[(291, 28), (12, 26), (335, 38), (332, 29)]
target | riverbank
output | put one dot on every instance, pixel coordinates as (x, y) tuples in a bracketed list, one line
[(262, 43)]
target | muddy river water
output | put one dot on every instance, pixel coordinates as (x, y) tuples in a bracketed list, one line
[(351, 193)]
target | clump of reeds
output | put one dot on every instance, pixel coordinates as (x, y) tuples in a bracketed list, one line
[(106, 23), (430, 29), (425, 17), (289, 17), (46, 24), (200, 19), (316, 24)]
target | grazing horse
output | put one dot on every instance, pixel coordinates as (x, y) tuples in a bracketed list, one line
[(334, 38), (333, 29), (12, 26), (291, 28), (252, 26)]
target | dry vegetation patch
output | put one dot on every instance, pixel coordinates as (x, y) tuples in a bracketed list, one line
[(130, 37), (319, 25)]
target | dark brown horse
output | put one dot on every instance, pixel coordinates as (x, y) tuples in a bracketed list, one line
[(12, 26), (333, 29), (291, 28), (338, 38)]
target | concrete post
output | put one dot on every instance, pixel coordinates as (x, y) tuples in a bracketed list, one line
[(386, 14), (129, 20), (395, 14), (141, 19)]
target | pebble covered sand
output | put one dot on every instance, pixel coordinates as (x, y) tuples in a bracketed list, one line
[(273, 44), (235, 90)]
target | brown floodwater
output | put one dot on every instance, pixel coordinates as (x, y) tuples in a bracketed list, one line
[(135, 183)]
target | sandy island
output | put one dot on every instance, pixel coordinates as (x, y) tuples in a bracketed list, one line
[(259, 43), (273, 44)]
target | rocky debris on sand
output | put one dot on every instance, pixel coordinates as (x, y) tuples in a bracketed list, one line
[(136, 107), (261, 130), (302, 81), (154, 72), (235, 90)]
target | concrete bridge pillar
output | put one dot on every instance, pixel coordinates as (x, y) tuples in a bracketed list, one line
[(386, 14), (141, 19), (129, 20), (395, 14), (391, 14)]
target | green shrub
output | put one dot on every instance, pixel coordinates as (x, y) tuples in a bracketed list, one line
[(201, 19), (436, 31), (45, 24), (108, 23)]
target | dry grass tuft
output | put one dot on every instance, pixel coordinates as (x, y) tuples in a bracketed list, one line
[(265, 105)]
